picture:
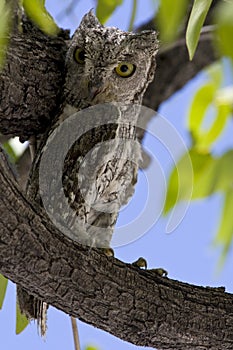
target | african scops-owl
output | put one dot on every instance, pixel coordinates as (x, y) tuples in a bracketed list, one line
[(107, 73)]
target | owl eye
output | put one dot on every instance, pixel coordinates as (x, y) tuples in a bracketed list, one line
[(79, 55), (125, 69)]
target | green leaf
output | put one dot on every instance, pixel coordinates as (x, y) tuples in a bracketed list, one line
[(225, 172), (172, 191), (210, 175), (202, 183), (205, 173), (5, 28), (225, 96), (223, 17), (21, 321), (196, 20), (10, 151), (201, 101), (36, 11), (225, 230), (169, 18), (205, 139), (208, 96), (180, 183), (105, 8), (3, 286)]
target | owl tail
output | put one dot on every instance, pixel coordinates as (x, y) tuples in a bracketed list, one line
[(33, 308)]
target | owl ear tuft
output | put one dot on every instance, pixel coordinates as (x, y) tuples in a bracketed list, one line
[(146, 40), (90, 20)]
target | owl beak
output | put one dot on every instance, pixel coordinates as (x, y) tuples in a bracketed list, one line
[(94, 90)]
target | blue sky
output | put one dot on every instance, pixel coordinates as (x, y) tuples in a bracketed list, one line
[(187, 253)]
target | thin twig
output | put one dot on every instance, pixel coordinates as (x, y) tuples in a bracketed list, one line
[(75, 333), (133, 15)]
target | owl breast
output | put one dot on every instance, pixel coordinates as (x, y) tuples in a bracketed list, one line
[(101, 182)]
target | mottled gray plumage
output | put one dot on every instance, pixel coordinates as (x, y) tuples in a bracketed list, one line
[(104, 49), (103, 65)]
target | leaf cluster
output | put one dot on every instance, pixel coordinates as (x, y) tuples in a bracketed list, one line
[(212, 174)]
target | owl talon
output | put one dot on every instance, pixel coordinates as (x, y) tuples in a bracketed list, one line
[(141, 263), (160, 272)]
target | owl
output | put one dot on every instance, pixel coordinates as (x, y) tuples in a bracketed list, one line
[(93, 141)]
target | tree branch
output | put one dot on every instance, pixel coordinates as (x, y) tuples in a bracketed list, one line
[(135, 305), (31, 81), (174, 69)]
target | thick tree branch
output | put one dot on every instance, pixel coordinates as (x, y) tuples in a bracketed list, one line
[(134, 305), (31, 82)]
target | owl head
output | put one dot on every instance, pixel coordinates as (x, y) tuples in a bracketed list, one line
[(105, 64)]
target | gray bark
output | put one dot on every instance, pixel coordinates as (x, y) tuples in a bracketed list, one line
[(31, 82)]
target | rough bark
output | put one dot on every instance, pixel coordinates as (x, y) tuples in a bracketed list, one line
[(135, 305), (31, 82)]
